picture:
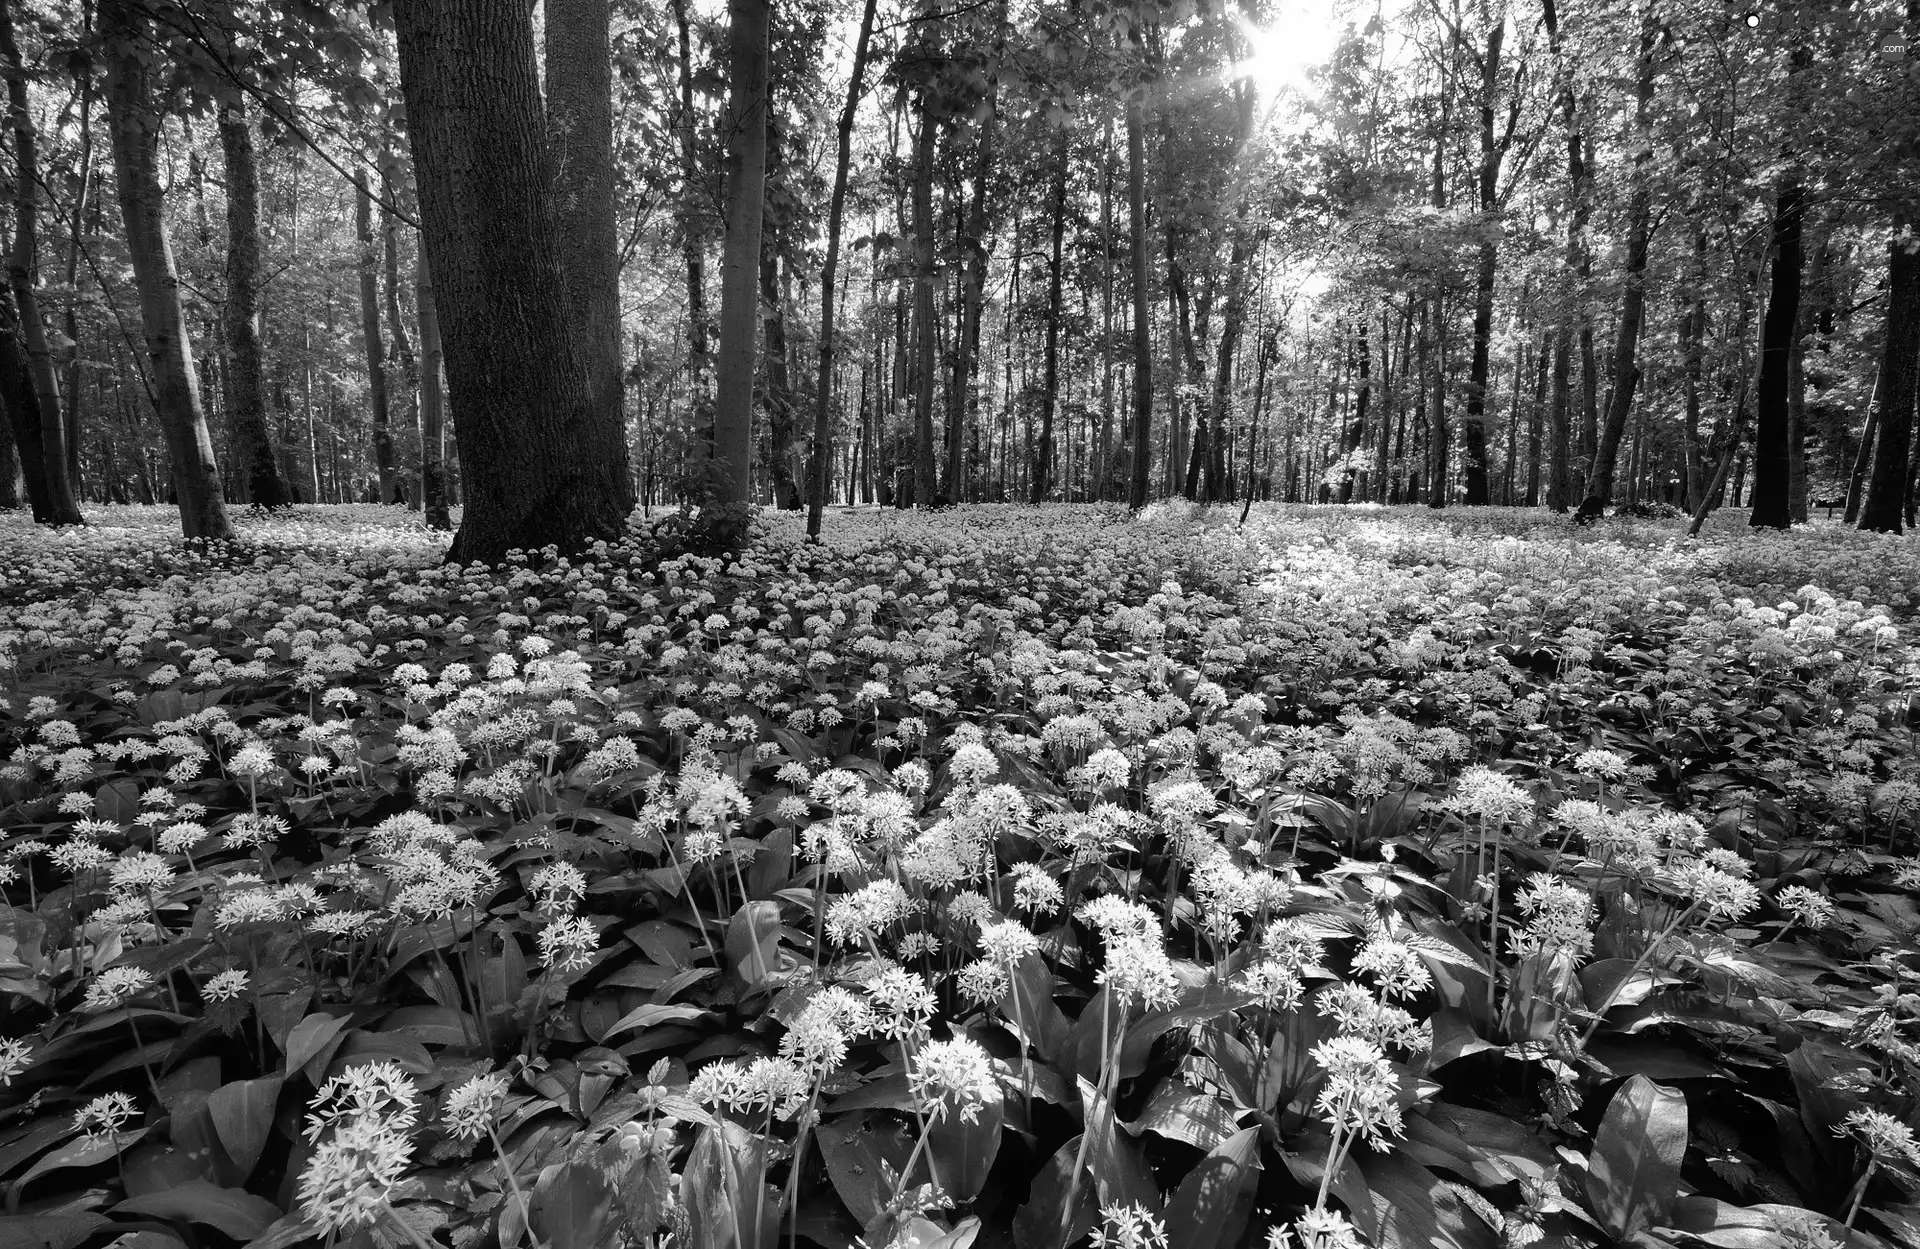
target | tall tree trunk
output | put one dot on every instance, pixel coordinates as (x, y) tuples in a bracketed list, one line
[(1142, 466), (1881, 511), (1479, 377), (134, 119), (1772, 497), (836, 210), (1355, 431), (1797, 486), (258, 468), (1863, 458), (692, 221), (376, 350), (579, 92), (740, 258), (536, 466), (973, 288), (23, 277), (82, 220), (1042, 483), (1536, 420), (433, 479), (925, 355), (404, 361), (1633, 299), (779, 388)]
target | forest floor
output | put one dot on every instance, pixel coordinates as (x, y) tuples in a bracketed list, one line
[(1001, 876)]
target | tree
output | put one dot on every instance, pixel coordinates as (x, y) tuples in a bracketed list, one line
[(433, 473), (537, 466), (1140, 475), (1882, 509), (740, 258), (56, 505), (580, 132), (246, 377), (830, 274), (134, 119), (376, 351), (1772, 499)]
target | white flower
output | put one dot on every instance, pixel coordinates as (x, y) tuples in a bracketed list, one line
[(115, 986), (350, 1176), (471, 1107), (104, 1115), (225, 986), (954, 1074)]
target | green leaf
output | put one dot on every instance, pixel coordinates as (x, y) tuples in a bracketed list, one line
[(81, 1151), (573, 1207), (1184, 1114), (1116, 1162), (50, 1231), (237, 1213), (1635, 1173), (310, 1039), (1414, 1209), (1037, 1224), (1211, 1206), (858, 1151), (753, 943), (1728, 1226), (652, 1015), (242, 1114), (963, 1152)]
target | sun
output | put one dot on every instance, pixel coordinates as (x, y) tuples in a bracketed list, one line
[(1299, 35)]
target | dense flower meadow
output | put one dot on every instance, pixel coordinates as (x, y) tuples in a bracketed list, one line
[(1003, 876)]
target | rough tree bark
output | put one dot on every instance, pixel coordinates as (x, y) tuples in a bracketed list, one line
[(22, 276), (924, 328), (405, 364), (134, 119), (579, 92), (740, 257), (536, 466), (259, 469), (1492, 153), (693, 249)]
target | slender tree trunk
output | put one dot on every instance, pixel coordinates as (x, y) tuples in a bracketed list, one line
[(1479, 377), (1863, 458), (925, 354), (1881, 511), (134, 119), (1142, 467), (405, 364), (1771, 499), (1536, 420), (1633, 299), (23, 276), (83, 219), (536, 465), (746, 205), (1042, 483), (258, 469), (1797, 486), (376, 350), (433, 479), (823, 390), (779, 388), (579, 94), (692, 221)]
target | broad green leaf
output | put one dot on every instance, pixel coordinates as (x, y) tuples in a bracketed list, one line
[(753, 943), (1180, 1113), (1115, 1160), (1635, 1168), (310, 1039), (1210, 1208), (652, 1015), (859, 1150), (1414, 1209), (242, 1114), (49, 1231), (81, 1151), (1037, 1224), (237, 1213), (573, 1207)]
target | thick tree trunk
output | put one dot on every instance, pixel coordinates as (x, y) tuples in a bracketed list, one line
[(135, 122), (836, 210), (1772, 501), (973, 289), (1633, 299), (1881, 511), (1355, 430), (433, 473), (23, 277), (258, 469), (376, 350), (537, 468), (579, 90), (740, 257)]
